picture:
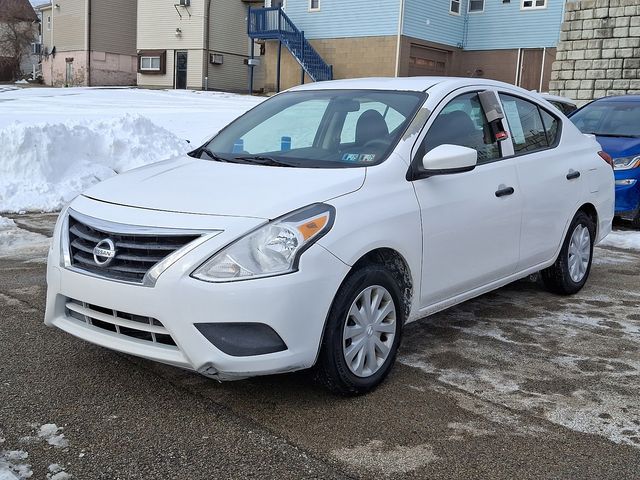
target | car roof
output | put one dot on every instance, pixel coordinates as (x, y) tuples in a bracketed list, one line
[(557, 98), (415, 84), (619, 98)]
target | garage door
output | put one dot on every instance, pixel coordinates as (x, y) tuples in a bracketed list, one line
[(427, 61)]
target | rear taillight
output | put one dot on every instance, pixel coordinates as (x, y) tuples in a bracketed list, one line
[(607, 158)]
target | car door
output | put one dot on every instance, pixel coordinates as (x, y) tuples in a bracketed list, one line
[(470, 221), (549, 174)]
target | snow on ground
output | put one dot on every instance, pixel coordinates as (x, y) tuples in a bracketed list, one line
[(628, 239), (13, 466), (51, 433), (56, 472), (58, 142), (18, 243)]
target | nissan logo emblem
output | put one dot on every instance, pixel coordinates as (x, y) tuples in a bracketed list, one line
[(104, 252)]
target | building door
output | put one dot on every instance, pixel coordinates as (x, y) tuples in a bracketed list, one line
[(181, 70), (68, 74), (530, 68), (427, 61)]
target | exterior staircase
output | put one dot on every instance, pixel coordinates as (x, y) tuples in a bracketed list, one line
[(273, 24)]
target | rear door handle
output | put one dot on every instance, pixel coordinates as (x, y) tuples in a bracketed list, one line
[(503, 192), (572, 175)]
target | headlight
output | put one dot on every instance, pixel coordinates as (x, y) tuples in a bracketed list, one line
[(626, 163), (273, 249)]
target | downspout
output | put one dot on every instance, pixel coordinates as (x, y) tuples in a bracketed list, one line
[(207, 46), (517, 82), (87, 39), (52, 45), (400, 27), (544, 54)]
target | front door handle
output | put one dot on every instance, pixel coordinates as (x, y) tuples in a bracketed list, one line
[(503, 192), (573, 174)]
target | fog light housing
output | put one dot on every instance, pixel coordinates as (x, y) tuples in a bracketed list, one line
[(626, 182), (242, 339)]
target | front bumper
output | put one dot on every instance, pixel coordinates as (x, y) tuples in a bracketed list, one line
[(295, 306), (628, 196)]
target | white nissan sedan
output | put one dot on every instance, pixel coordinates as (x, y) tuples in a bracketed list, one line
[(310, 230)]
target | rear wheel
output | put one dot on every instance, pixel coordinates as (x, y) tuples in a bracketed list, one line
[(570, 271), (362, 334), (635, 223)]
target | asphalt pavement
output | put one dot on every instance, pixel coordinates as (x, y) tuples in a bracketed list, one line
[(518, 383)]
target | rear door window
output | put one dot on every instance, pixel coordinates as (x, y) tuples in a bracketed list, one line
[(527, 128)]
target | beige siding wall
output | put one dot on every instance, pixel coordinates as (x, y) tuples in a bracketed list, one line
[(158, 20), (157, 24), (194, 72), (46, 33), (113, 26), (69, 25)]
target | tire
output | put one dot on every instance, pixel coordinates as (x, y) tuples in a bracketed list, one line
[(333, 370), (560, 278), (635, 223)]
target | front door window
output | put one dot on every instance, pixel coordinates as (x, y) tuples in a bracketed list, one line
[(181, 70)]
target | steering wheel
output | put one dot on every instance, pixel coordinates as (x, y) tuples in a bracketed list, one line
[(376, 142)]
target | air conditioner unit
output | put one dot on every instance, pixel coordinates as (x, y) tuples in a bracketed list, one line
[(216, 58), (185, 3), (36, 48)]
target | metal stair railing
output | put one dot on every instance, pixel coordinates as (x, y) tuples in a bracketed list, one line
[(271, 23)]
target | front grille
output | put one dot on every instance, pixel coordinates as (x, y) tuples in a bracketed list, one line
[(127, 324), (135, 254)]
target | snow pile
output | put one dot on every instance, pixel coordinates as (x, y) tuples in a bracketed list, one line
[(627, 239), (49, 432), (56, 472), (12, 466), (44, 166), (18, 243)]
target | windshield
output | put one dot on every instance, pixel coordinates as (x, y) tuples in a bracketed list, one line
[(320, 128), (616, 119)]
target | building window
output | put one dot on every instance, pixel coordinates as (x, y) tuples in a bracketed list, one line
[(49, 22), (150, 63), (476, 6), (533, 4), (454, 7), (314, 5)]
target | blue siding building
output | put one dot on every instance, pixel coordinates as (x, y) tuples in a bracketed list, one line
[(509, 40)]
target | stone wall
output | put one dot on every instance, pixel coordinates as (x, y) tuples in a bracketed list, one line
[(599, 50)]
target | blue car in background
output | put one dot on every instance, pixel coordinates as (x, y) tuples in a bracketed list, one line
[(615, 121)]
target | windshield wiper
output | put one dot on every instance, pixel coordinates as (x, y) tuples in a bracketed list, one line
[(614, 135), (263, 160), (212, 155)]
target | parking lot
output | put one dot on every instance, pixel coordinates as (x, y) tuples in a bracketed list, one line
[(518, 383)]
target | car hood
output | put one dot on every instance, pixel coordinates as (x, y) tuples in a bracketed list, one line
[(620, 146), (190, 185)]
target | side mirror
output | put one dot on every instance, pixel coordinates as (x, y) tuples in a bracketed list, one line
[(449, 159)]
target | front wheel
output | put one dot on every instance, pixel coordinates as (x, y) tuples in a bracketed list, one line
[(362, 334), (571, 270)]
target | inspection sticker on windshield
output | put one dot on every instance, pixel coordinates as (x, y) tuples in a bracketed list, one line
[(350, 157), (367, 157)]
